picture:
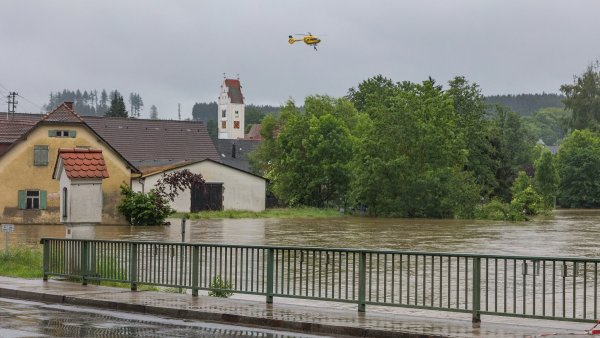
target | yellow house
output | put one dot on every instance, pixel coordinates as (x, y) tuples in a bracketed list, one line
[(30, 195)]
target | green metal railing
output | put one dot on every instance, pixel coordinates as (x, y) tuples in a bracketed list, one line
[(560, 288)]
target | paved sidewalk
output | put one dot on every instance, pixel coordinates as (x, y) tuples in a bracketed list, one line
[(327, 318)]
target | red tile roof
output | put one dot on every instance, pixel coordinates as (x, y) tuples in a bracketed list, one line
[(83, 163), (235, 91), (12, 129), (63, 113)]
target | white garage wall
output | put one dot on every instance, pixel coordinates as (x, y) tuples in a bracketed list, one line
[(242, 191)]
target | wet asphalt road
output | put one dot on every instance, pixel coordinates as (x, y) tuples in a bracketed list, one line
[(19, 319)]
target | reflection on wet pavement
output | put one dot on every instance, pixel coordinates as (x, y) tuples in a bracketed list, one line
[(32, 319)]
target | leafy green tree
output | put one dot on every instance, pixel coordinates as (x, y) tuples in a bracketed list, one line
[(583, 98), (261, 159), (579, 170), (372, 93), (117, 106), (522, 182), (513, 146), (313, 150), (409, 159), (546, 178), (470, 108)]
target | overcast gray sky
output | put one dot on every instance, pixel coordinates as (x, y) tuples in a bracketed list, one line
[(176, 51)]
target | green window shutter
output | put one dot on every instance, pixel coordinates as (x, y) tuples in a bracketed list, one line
[(22, 199), (72, 133), (43, 196), (40, 155)]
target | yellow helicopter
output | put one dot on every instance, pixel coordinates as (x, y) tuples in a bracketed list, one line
[(309, 40)]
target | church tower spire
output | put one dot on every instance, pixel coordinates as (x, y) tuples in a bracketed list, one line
[(231, 110)]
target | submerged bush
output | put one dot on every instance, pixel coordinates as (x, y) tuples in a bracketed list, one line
[(498, 211), (527, 202)]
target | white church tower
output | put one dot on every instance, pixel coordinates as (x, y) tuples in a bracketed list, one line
[(231, 110)]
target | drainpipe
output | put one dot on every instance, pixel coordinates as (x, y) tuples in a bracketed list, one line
[(142, 182)]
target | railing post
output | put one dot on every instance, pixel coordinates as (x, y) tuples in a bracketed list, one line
[(476, 299), (84, 262), (362, 281), (133, 265), (195, 268), (46, 259), (270, 273)]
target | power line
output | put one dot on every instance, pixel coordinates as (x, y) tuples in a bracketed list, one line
[(8, 92), (4, 87), (31, 102)]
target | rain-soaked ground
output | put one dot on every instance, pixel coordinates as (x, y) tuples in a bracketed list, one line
[(19, 319)]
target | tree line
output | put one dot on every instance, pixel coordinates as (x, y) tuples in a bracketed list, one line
[(527, 104), (424, 150), (101, 103)]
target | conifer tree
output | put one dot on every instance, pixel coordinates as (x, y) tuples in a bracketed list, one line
[(117, 106)]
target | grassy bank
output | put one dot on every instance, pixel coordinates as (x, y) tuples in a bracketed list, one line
[(269, 213), (27, 262), (22, 262)]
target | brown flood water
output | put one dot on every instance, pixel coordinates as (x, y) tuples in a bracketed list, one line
[(564, 233)]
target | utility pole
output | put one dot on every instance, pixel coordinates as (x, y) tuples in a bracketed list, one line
[(179, 110), (12, 103)]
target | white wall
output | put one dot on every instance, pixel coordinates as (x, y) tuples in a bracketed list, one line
[(84, 199), (230, 116), (86, 202), (241, 190)]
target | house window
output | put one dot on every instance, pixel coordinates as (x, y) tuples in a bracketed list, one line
[(237, 114), (223, 124), (62, 133), (32, 199), (40, 155), (236, 124), (223, 113)]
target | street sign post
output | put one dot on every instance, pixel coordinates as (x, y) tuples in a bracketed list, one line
[(7, 229)]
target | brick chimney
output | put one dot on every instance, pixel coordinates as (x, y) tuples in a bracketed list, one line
[(69, 104)]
